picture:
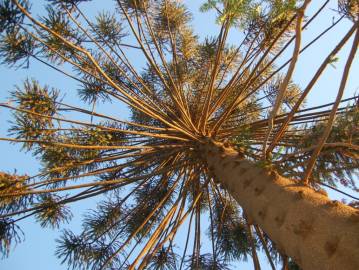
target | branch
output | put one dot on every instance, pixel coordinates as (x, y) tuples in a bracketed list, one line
[(330, 123)]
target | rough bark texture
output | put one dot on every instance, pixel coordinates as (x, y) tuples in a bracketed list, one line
[(306, 225)]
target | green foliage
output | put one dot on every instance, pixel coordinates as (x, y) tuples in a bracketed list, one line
[(54, 213), (12, 183), (242, 139), (231, 10), (337, 163), (147, 198), (95, 89), (250, 11), (230, 232), (37, 105), (265, 164), (63, 162), (10, 15), (186, 46), (269, 21), (334, 60), (69, 4), (56, 48), (16, 48), (136, 5), (36, 99), (206, 262), (97, 242), (104, 220), (9, 233), (107, 29), (172, 16), (291, 96), (83, 255), (164, 259)]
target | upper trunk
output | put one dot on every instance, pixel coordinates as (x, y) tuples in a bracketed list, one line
[(304, 224)]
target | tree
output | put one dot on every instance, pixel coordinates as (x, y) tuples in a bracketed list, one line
[(215, 129)]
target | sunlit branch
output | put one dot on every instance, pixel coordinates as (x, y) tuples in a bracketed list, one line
[(305, 92), (288, 76), (332, 116)]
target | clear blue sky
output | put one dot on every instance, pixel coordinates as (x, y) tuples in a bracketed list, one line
[(37, 252)]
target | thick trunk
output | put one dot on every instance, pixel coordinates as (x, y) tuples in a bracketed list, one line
[(306, 225)]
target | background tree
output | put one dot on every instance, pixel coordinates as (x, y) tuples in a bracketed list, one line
[(211, 126)]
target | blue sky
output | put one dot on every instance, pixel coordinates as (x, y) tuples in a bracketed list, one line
[(37, 252)]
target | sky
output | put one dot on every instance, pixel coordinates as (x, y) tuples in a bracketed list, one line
[(37, 251)]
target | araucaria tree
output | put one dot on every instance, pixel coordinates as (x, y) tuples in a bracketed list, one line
[(219, 148)]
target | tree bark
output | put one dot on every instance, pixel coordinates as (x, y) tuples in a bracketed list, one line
[(316, 232)]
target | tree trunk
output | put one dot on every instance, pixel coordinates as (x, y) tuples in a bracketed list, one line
[(304, 224)]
